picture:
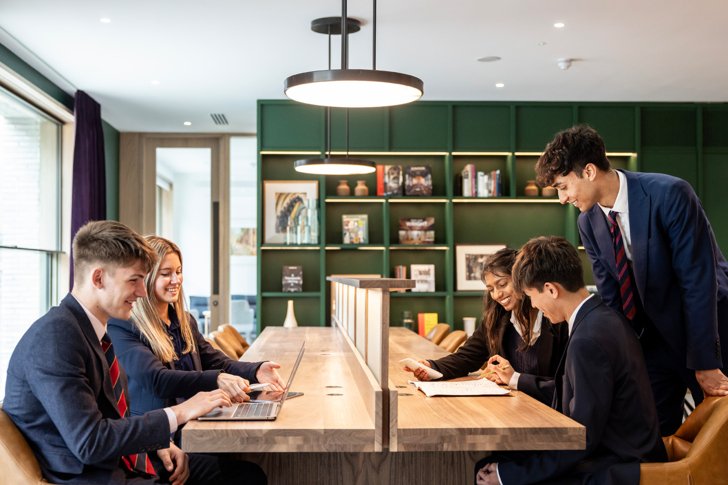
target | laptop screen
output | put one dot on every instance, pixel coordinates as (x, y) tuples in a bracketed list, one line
[(279, 396)]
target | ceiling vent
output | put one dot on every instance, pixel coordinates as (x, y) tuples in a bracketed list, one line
[(219, 119)]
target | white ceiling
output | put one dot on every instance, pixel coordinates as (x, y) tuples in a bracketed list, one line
[(220, 56)]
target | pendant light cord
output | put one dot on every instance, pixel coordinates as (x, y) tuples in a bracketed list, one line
[(374, 36), (344, 37)]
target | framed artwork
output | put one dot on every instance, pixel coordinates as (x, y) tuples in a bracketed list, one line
[(469, 261), (284, 202)]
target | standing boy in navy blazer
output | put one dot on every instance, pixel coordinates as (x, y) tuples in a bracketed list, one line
[(601, 381), (655, 259), (66, 392)]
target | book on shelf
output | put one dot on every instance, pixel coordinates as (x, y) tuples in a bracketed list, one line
[(355, 228), (417, 230), (400, 272), (392, 180), (418, 180), (426, 322), (380, 179), (424, 277), (468, 180), (292, 279)]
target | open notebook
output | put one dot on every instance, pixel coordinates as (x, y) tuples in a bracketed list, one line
[(263, 405)]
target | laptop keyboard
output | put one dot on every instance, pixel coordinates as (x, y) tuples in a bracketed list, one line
[(256, 409)]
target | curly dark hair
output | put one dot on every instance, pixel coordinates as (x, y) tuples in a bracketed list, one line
[(570, 151)]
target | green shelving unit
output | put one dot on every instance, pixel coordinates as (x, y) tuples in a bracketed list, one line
[(687, 140)]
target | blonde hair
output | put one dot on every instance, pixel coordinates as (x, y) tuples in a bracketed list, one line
[(145, 317)]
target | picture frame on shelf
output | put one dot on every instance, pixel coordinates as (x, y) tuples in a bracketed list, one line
[(469, 259), (283, 204)]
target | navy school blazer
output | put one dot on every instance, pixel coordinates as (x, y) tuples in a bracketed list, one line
[(154, 384)]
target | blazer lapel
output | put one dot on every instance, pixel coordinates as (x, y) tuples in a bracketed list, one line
[(92, 340), (639, 217), (588, 306)]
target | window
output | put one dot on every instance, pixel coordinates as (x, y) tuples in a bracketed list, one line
[(30, 188)]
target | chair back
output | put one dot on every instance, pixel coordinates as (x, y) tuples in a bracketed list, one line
[(17, 461), (453, 340), (438, 333), (697, 451), (235, 335), (223, 341), (214, 345)]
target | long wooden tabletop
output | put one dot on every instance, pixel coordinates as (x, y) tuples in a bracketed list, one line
[(335, 414), (511, 422)]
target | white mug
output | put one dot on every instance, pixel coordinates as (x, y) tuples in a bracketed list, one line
[(469, 325)]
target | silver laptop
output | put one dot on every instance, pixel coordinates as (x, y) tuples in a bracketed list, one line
[(263, 405)]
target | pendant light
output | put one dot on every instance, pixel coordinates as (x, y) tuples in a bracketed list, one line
[(354, 88), (334, 165)]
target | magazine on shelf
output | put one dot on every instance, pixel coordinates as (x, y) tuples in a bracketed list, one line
[(418, 180), (355, 228), (417, 230), (292, 279), (392, 180), (424, 277)]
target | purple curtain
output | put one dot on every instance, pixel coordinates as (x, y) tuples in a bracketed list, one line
[(89, 173)]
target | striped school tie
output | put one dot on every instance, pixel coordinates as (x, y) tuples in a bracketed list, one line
[(137, 462), (624, 272)]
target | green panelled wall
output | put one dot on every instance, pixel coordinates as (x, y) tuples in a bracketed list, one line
[(689, 140)]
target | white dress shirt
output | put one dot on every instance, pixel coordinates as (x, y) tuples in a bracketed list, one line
[(513, 382)]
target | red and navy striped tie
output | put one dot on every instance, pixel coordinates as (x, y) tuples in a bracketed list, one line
[(137, 462), (626, 287)]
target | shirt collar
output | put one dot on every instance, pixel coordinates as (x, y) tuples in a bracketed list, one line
[(536, 333), (621, 204), (99, 328), (572, 318)]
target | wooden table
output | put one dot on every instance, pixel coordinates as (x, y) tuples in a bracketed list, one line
[(511, 422), (336, 413), (325, 438)]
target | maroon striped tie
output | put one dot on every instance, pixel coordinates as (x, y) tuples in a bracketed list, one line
[(624, 273), (137, 462)]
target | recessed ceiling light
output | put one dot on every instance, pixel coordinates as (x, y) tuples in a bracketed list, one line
[(499, 85), (105, 20), (188, 123), (155, 82), (489, 59), (559, 25)]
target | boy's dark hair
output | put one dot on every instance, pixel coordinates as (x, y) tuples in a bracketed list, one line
[(570, 151), (109, 242), (547, 260)]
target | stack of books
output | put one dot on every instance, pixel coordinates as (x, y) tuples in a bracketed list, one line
[(481, 184)]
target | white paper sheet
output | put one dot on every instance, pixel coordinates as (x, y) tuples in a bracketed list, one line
[(478, 387)]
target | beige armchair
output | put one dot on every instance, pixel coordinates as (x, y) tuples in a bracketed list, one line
[(697, 452), (18, 464)]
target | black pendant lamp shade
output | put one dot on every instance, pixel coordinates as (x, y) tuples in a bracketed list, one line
[(352, 88)]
